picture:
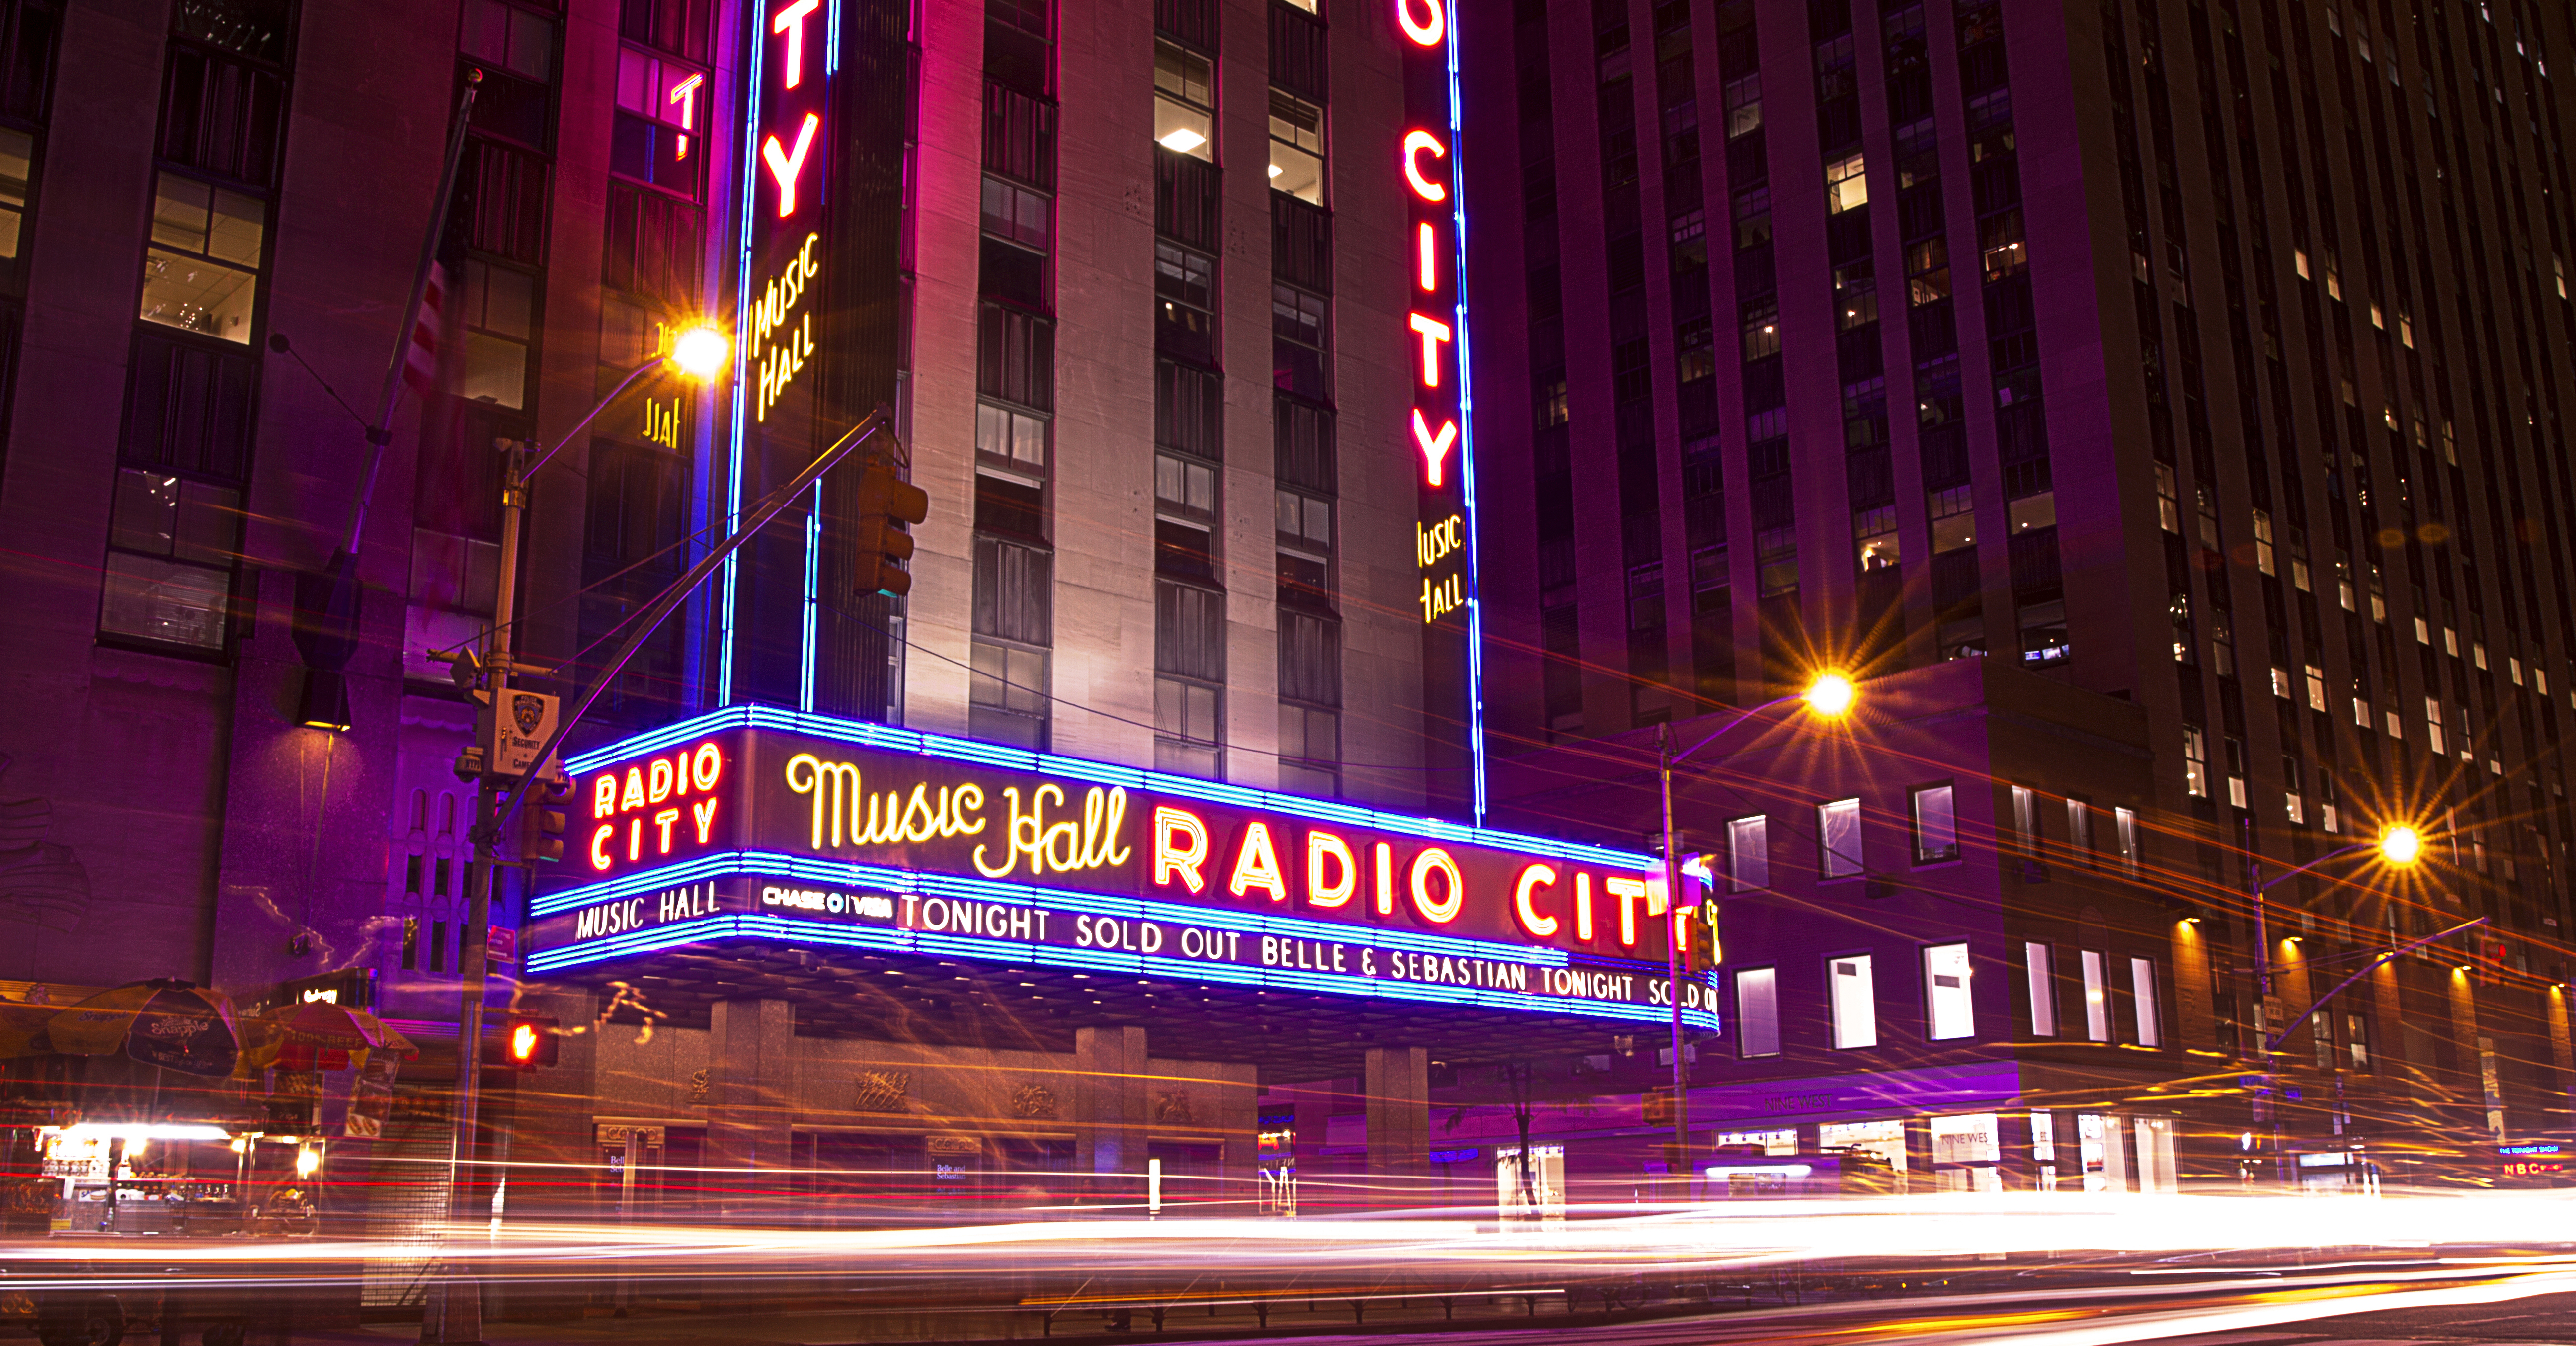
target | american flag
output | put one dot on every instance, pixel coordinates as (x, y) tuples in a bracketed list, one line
[(420, 364)]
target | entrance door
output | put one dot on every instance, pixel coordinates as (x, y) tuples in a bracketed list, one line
[(632, 1157)]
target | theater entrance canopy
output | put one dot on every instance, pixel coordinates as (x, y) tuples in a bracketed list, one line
[(923, 888)]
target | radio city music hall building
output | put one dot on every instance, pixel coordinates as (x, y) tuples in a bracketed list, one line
[(1166, 300)]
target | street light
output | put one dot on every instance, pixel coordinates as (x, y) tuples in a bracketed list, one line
[(1830, 697), (2398, 845), (697, 351), (2401, 845), (700, 350)]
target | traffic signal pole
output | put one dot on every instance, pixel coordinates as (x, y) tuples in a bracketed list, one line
[(453, 1315)]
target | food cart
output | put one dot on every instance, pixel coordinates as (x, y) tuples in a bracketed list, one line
[(154, 1111)]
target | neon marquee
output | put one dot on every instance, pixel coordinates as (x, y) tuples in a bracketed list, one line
[(761, 824)]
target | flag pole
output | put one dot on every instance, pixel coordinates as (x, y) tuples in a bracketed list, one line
[(380, 432), (326, 601)]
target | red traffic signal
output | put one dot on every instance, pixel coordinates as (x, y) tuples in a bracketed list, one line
[(886, 501), (529, 1041)]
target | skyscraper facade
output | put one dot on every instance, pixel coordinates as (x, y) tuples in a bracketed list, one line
[(2208, 355)]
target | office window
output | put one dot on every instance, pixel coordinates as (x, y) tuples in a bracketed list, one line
[(1760, 323), (1999, 238), (1927, 270), (2079, 830), (2126, 820), (2040, 967), (1305, 524), (1005, 437), (1296, 147), (1838, 832), (1013, 613), (2142, 993), (1852, 1001), (2097, 996), (1185, 303), (1743, 105), (1936, 825), (170, 559), (201, 273), (497, 306), (1846, 185), (2025, 819), (1757, 1012), (1310, 749), (1300, 335), (1006, 694), (1954, 519), (1752, 217), (1748, 854), (1020, 214), (662, 106), (1189, 663), (1950, 1008), (2195, 761), (1184, 93)]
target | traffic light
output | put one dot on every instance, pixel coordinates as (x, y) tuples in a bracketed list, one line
[(1698, 929), (529, 1041), (886, 501), (541, 823)]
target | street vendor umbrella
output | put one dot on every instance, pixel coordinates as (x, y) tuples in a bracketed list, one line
[(20, 1022), (318, 1034), (175, 1025)]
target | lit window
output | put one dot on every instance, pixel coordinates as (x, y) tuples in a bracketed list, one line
[(2195, 761), (2097, 997), (2142, 995), (2041, 971), (1184, 94), (1846, 185), (1757, 1012), (1953, 1012), (1875, 533), (1954, 519), (1296, 147), (1838, 829), (1936, 825), (2127, 822), (170, 559), (1853, 1001), (201, 272), (1748, 854)]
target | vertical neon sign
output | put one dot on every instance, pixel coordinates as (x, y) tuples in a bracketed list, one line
[(786, 147), (1441, 433)]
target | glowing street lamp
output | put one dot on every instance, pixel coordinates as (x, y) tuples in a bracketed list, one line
[(699, 350), (1830, 697), (2401, 845), (2398, 845)]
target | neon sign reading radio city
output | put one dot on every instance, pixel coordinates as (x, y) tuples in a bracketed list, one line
[(760, 824), (637, 797)]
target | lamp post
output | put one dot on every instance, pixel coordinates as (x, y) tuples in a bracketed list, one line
[(454, 1314), (1829, 697), (2400, 847)]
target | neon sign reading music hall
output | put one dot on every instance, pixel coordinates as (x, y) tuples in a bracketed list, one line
[(765, 825)]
